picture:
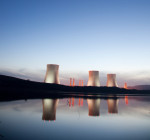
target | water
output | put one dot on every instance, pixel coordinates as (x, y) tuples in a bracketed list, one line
[(76, 118)]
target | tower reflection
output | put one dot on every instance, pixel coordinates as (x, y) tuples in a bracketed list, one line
[(126, 100), (94, 106), (49, 109), (80, 103), (112, 105)]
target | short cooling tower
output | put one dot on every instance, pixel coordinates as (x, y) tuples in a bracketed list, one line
[(111, 80), (94, 107), (49, 109), (93, 78), (52, 74)]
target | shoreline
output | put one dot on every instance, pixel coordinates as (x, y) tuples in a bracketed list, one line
[(14, 88)]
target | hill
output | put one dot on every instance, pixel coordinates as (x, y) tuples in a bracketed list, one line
[(15, 88), (140, 87)]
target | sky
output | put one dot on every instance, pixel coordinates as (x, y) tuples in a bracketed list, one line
[(111, 36)]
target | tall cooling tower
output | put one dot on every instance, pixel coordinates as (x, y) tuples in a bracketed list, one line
[(94, 106), (111, 80), (52, 74), (49, 109), (93, 79)]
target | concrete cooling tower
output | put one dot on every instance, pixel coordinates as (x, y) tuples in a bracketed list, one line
[(52, 74), (94, 106), (93, 79), (49, 109), (112, 105), (111, 80)]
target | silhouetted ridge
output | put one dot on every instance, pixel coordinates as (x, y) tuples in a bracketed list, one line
[(140, 87), (7, 81), (18, 88)]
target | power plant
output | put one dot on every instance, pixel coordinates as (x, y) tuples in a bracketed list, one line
[(49, 109), (111, 80), (94, 106), (52, 74), (93, 79)]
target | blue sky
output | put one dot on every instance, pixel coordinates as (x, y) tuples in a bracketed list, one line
[(112, 36)]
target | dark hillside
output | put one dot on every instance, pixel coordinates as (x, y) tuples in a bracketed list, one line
[(11, 87)]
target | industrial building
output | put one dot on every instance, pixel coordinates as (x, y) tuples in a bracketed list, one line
[(52, 74), (93, 79), (111, 80)]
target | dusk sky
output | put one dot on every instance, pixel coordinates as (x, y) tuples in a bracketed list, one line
[(112, 36)]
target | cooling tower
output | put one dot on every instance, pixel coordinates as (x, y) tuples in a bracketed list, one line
[(52, 74), (112, 105), (94, 106), (49, 109), (111, 80), (93, 78)]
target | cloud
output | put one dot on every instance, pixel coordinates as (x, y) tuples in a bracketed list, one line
[(34, 75), (135, 78)]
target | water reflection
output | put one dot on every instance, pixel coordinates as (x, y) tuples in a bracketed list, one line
[(126, 100), (49, 109), (94, 107), (71, 102), (112, 105), (74, 122), (80, 103), (50, 106)]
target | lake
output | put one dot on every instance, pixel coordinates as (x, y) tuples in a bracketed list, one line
[(106, 117)]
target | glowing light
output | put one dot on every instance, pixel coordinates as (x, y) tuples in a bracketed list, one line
[(79, 102), (69, 102), (73, 82), (72, 101), (79, 82), (126, 100), (125, 86), (82, 83), (70, 81)]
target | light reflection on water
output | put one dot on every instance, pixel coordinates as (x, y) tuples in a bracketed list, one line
[(76, 118)]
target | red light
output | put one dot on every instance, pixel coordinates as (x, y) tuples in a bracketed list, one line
[(126, 100)]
